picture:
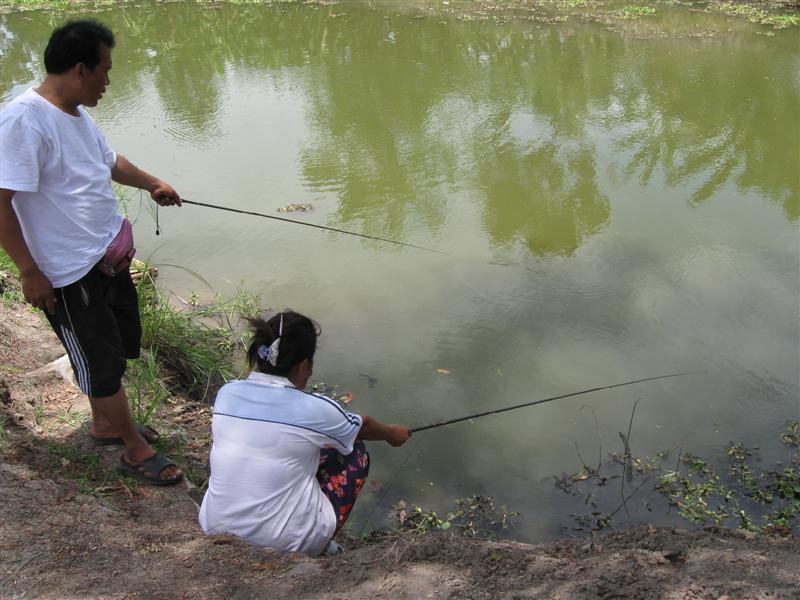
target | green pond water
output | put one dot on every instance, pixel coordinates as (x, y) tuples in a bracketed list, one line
[(642, 174)]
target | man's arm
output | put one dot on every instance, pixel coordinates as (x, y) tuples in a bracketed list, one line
[(372, 429), (36, 287), (126, 173)]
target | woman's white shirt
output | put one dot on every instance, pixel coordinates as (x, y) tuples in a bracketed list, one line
[(264, 458)]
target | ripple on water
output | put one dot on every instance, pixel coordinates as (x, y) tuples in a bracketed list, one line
[(118, 109), (193, 135)]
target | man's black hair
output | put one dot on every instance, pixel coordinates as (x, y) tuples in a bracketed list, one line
[(76, 42)]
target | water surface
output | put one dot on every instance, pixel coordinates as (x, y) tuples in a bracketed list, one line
[(644, 182)]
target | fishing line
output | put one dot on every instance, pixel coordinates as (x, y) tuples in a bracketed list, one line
[(379, 502), (524, 404)]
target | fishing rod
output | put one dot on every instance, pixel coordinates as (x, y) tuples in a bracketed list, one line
[(334, 229), (307, 224), (524, 404)]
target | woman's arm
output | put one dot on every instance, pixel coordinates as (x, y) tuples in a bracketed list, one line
[(372, 429)]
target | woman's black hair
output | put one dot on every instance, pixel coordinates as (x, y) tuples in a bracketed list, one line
[(76, 42), (298, 342)]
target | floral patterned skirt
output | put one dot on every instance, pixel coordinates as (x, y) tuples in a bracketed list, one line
[(342, 477)]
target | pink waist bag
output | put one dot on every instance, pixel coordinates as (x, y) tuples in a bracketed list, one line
[(120, 251)]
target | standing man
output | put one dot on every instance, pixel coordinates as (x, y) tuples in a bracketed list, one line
[(58, 216)]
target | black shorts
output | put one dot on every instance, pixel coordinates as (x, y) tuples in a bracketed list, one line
[(97, 320)]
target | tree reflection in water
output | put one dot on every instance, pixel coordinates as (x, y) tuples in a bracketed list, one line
[(411, 117)]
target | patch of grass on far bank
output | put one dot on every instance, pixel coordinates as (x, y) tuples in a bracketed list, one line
[(7, 6), (633, 11), (757, 13), (776, 14)]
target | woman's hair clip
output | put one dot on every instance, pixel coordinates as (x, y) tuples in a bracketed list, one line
[(263, 352), (270, 353)]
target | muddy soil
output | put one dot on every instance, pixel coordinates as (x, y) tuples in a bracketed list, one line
[(70, 527)]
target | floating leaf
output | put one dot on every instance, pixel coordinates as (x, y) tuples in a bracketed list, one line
[(296, 208)]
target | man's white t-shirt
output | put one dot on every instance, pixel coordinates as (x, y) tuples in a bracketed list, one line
[(267, 437), (59, 165)]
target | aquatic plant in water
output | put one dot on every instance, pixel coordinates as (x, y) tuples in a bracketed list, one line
[(474, 516), (741, 494), (757, 499)]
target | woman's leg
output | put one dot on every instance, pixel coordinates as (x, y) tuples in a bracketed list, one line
[(342, 477)]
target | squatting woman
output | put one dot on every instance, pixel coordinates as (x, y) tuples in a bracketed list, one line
[(286, 465)]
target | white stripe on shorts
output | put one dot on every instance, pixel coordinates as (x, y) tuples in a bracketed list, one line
[(75, 352)]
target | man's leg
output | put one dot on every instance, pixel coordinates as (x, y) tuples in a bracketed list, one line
[(113, 413), (101, 424), (97, 321)]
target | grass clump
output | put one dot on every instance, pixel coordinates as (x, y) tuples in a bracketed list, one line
[(633, 11), (146, 387), (10, 290), (196, 354), (780, 21), (88, 472), (475, 516), (757, 14), (572, 4), (191, 351)]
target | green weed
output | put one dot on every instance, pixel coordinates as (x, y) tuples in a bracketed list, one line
[(572, 4), (229, 313), (146, 387), (38, 412), (72, 418), (475, 516), (757, 14), (780, 21), (88, 472), (6, 264), (791, 436), (194, 353), (630, 12), (744, 493), (10, 290), (702, 495)]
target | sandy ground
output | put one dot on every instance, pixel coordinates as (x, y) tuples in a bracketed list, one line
[(71, 528)]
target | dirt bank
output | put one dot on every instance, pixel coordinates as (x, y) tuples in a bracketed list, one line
[(70, 527)]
